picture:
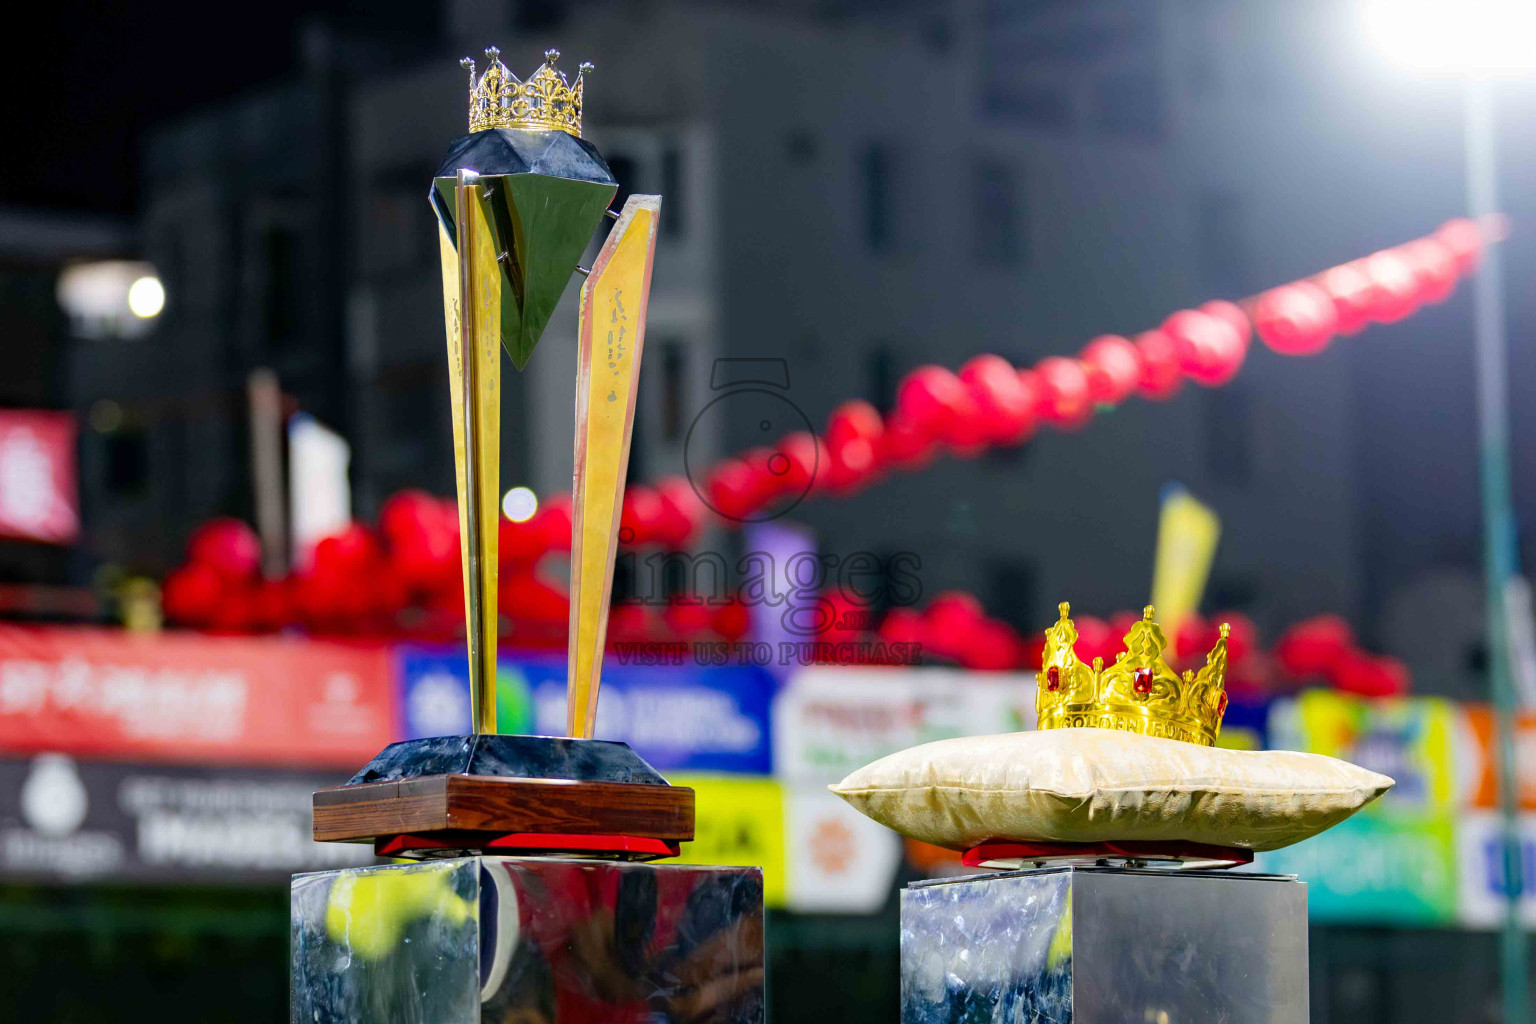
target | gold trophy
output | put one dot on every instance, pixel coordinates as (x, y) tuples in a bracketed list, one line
[(518, 200)]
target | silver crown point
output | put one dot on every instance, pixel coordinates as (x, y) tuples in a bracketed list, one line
[(492, 52), (586, 67), (551, 55)]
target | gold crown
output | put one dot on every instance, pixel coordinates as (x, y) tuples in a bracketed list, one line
[(1138, 693), (499, 100)]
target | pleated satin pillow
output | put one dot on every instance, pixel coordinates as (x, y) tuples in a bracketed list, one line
[(1098, 785)]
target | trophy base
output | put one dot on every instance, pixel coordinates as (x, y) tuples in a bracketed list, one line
[(1011, 856), (523, 794), (491, 940), (1102, 945)]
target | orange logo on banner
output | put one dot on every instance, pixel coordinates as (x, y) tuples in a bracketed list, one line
[(1483, 787)]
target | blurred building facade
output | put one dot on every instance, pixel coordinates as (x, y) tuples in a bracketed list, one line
[(857, 192)]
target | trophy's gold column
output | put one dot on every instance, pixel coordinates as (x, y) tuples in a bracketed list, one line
[(613, 305), (472, 304)]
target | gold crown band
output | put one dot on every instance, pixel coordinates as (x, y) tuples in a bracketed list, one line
[(1139, 693), (546, 101)]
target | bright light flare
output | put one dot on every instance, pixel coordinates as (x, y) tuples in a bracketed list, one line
[(519, 504), (1460, 36), (146, 297)]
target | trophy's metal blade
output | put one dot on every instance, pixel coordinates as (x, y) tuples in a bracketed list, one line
[(472, 301), (613, 305), (547, 192)]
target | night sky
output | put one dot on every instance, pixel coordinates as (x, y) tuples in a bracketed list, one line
[(82, 81)]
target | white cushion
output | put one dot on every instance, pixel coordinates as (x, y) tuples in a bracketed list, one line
[(1095, 785)]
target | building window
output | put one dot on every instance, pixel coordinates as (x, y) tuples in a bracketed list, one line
[(879, 197), (998, 222)]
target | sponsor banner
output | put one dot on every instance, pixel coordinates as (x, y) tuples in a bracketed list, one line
[(829, 721), (1414, 740), (1480, 846), (839, 861), (677, 717), (68, 821), (39, 498), (1383, 869), (186, 698), (738, 820), (1479, 763)]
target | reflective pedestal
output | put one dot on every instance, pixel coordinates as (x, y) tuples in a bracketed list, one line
[(1099, 945), (527, 940)]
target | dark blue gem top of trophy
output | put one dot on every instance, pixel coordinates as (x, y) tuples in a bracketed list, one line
[(511, 757), (547, 191)]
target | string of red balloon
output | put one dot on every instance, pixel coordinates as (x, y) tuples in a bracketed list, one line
[(404, 578)]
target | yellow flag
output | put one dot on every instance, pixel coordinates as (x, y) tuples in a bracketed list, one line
[(1187, 532)]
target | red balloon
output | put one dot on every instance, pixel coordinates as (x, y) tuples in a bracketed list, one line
[(1313, 645), (801, 461), (1160, 374), (1095, 639), (233, 613), (407, 512), (1369, 676), (1113, 366), (1295, 319), (271, 606), (991, 647), (1230, 313), (520, 543), (1434, 268), (555, 520), (904, 626), (1194, 639), (191, 594), (1396, 286), (1210, 349), (1353, 294), (849, 466), (227, 546), (1465, 241), (687, 618), (1120, 624), (350, 550), (735, 489), (1067, 403), (1005, 406), (633, 622), (732, 620), (950, 620), (526, 598), (904, 445), (854, 420), (640, 516), (682, 513), (937, 403)]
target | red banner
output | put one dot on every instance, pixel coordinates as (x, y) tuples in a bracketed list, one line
[(38, 495), (193, 699)]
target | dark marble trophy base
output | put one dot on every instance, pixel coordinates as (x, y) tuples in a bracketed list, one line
[(450, 795)]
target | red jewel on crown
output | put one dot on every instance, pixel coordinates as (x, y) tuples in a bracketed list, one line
[(1053, 678), (1141, 680)]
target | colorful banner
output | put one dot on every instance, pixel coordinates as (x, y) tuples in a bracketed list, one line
[(676, 717), (1412, 739), (68, 821), (828, 721), (1375, 869), (738, 820), (39, 497), (187, 698)]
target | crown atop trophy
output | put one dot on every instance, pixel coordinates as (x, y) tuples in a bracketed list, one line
[(1138, 693), (499, 99)]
